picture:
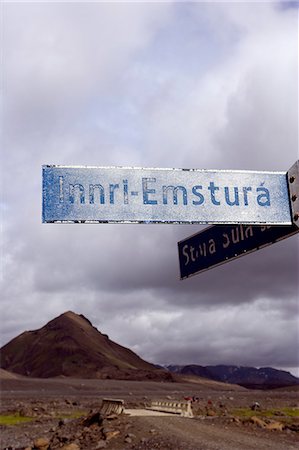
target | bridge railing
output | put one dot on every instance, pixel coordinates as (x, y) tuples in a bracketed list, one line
[(112, 406), (182, 408)]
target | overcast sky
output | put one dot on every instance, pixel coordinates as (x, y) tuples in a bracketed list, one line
[(172, 84)]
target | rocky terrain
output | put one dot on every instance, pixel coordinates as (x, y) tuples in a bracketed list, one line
[(65, 413), (54, 381)]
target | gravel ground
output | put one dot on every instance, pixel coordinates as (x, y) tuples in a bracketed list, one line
[(54, 404)]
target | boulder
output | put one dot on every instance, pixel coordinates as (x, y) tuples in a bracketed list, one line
[(70, 447), (93, 418), (257, 421), (211, 412), (275, 426), (109, 434), (41, 444)]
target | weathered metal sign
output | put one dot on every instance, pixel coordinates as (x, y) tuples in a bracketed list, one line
[(136, 195), (219, 244)]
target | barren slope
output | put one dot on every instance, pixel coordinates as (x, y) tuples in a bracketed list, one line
[(69, 345)]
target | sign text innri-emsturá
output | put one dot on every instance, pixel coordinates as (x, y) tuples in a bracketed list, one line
[(137, 195), (151, 194)]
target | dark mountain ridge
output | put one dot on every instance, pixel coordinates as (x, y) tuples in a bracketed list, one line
[(249, 377), (70, 346)]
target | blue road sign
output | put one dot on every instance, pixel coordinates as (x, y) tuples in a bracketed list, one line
[(136, 195), (219, 244)]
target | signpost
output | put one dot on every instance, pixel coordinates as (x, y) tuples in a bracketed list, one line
[(257, 208), (219, 244), (135, 195)]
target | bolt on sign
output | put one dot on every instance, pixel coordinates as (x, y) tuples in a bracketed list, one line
[(138, 195)]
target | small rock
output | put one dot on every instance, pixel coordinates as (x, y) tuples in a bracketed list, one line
[(111, 434), (112, 417), (64, 438), (255, 406), (236, 420), (275, 426), (101, 444), (131, 435), (70, 447), (41, 444), (92, 418), (25, 412), (293, 427), (55, 441), (257, 421), (128, 440), (61, 422)]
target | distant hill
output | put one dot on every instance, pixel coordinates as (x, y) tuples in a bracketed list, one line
[(70, 346), (249, 377), (6, 375)]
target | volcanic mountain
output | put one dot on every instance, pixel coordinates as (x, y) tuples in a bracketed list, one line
[(70, 345), (249, 377)]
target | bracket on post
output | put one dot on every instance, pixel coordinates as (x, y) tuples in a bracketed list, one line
[(293, 183)]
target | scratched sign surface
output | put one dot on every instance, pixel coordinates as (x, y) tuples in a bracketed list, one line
[(136, 195)]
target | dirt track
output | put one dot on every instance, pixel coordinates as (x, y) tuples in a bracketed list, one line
[(49, 400), (186, 434)]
